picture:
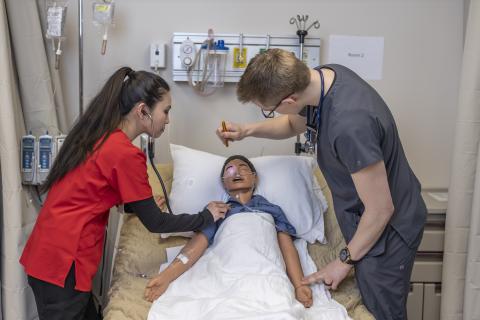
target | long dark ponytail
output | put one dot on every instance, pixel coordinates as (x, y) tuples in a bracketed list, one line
[(104, 114)]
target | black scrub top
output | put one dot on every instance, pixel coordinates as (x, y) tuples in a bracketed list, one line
[(358, 130)]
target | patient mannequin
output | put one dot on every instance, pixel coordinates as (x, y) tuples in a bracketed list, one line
[(239, 179)]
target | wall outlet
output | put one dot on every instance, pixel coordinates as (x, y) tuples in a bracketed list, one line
[(157, 55)]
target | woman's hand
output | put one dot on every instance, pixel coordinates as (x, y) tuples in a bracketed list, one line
[(303, 294), (235, 132), (159, 200), (218, 209), (156, 287)]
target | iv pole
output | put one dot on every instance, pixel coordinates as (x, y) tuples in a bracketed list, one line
[(80, 57), (302, 32)]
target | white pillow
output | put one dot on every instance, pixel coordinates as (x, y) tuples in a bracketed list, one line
[(286, 181)]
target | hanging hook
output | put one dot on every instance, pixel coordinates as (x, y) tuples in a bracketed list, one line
[(315, 24), (293, 20), (301, 22)]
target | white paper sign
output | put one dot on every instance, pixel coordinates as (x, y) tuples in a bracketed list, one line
[(364, 55)]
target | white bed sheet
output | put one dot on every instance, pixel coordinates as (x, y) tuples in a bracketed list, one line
[(242, 276)]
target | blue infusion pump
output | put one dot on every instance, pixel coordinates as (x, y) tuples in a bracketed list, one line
[(37, 156), (28, 159), (45, 153)]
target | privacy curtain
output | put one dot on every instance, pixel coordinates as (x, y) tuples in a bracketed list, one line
[(1, 224), (16, 209), (37, 77), (461, 265), (27, 102)]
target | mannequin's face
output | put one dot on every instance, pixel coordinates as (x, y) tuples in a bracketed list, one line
[(238, 176)]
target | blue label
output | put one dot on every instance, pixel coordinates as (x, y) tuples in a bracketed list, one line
[(45, 152), (27, 153), (44, 159), (27, 158)]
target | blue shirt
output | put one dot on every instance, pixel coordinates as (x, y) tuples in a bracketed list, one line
[(256, 204)]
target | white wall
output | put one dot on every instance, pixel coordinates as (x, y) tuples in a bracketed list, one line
[(423, 50)]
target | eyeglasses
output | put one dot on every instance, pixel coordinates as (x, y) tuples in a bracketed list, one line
[(271, 114), (233, 172)]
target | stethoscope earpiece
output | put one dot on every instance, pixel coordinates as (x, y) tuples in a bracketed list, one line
[(147, 114)]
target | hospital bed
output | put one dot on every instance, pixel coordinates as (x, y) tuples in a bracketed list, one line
[(140, 254)]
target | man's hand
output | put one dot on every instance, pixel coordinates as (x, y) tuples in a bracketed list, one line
[(235, 132), (331, 275), (303, 294), (156, 287)]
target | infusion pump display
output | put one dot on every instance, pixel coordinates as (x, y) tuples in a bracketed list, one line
[(37, 156)]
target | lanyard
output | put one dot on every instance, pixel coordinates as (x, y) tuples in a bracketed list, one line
[(314, 114)]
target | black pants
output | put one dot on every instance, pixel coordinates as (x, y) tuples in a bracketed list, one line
[(57, 303), (384, 280)]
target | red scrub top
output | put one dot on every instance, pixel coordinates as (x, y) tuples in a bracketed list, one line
[(70, 227)]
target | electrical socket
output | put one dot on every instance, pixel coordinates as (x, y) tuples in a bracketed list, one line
[(157, 55)]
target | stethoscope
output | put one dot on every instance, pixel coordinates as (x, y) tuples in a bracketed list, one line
[(151, 154), (314, 114)]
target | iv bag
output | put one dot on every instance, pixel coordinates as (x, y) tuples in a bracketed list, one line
[(56, 15), (103, 13)]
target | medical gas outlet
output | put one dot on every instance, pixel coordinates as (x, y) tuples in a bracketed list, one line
[(188, 63), (187, 53)]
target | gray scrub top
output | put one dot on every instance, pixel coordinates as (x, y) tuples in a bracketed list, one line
[(358, 130)]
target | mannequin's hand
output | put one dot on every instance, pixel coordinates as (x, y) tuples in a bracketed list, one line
[(304, 295), (156, 287)]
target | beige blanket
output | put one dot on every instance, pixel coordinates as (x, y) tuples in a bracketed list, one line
[(141, 253)]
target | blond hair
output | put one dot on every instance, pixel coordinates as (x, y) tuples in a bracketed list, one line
[(272, 75)]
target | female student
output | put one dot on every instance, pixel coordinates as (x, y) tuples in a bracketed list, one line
[(97, 168)]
